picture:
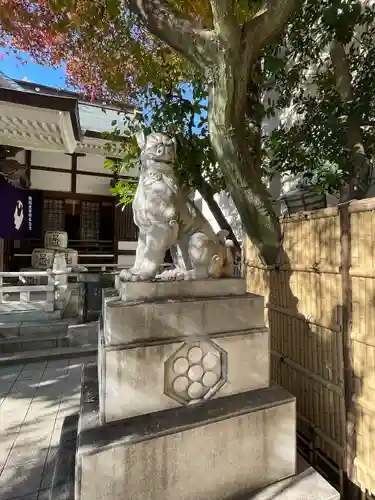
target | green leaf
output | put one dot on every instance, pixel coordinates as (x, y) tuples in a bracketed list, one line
[(108, 163)]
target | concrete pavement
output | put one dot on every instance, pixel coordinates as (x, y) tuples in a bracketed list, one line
[(34, 400)]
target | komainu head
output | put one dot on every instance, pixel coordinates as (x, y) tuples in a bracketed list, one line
[(157, 147)]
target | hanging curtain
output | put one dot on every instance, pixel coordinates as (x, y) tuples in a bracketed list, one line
[(20, 211)]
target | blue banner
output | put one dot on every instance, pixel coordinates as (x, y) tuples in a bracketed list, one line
[(20, 212)]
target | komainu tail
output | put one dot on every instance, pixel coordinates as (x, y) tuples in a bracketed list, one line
[(227, 256), (228, 269)]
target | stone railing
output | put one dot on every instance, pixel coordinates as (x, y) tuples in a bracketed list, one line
[(24, 287), (37, 289)]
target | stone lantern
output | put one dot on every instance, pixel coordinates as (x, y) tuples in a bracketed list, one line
[(304, 197)]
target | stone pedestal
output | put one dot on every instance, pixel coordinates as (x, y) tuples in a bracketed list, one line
[(181, 405), (174, 349)]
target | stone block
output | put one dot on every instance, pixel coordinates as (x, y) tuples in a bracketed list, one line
[(129, 322), (214, 451), (55, 239), (147, 378), (83, 334), (30, 329), (9, 330)]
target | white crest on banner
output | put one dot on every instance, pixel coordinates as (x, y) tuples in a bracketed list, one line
[(18, 215)]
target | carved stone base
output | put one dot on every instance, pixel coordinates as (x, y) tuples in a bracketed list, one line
[(137, 379), (186, 343)]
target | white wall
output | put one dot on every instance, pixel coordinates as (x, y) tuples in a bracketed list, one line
[(127, 245), (52, 160), (125, 260), (88, 184), (60, 181), (50, 181), (94, 163), (229, 211)]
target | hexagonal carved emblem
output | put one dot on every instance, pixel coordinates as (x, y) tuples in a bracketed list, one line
[(195, 372)]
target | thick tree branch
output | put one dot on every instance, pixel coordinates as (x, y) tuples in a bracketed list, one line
[(197, 45), (269, 22), (224, 21), (208, 194)]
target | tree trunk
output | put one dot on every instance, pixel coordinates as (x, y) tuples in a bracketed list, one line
[(359, 180), (208, 195), (228, 138)]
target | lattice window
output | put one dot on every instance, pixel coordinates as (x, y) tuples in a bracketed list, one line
[(90, 221), (125, 227), (54, 215)]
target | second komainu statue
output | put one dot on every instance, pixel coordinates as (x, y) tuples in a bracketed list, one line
[(168, 220)]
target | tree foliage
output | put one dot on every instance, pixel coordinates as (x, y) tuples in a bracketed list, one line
[(324, 75), (107, 52)]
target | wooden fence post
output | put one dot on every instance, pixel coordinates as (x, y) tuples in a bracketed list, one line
[(350, 491)]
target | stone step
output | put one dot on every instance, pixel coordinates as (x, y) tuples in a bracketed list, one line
[(47, 355), (83, 334), (22, 344), (46, 328), (306, 484), (8, 315)]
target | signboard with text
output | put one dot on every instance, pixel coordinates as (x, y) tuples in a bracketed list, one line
[(20, 212)]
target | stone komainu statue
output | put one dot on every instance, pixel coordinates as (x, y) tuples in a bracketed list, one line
[(168, 219)]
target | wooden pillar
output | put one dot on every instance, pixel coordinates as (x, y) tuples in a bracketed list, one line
[(350, 489), (28, 163), (74, 168)]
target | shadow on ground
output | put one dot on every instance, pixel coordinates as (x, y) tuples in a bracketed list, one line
[(35, 400)]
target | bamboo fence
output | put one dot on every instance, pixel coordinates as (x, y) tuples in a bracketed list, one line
[(320, 308)]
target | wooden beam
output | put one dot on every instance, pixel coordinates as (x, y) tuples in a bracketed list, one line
[(73, 181), (63, 195), (80, 172)]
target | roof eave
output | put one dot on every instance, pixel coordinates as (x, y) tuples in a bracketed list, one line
[(66, 104)]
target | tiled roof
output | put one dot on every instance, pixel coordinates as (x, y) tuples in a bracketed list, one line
[(8, 83), (95, 118)]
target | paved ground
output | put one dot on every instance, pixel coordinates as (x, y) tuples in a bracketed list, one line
[(34, 399)]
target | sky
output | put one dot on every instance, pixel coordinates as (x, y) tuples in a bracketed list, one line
[(31, 71)]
